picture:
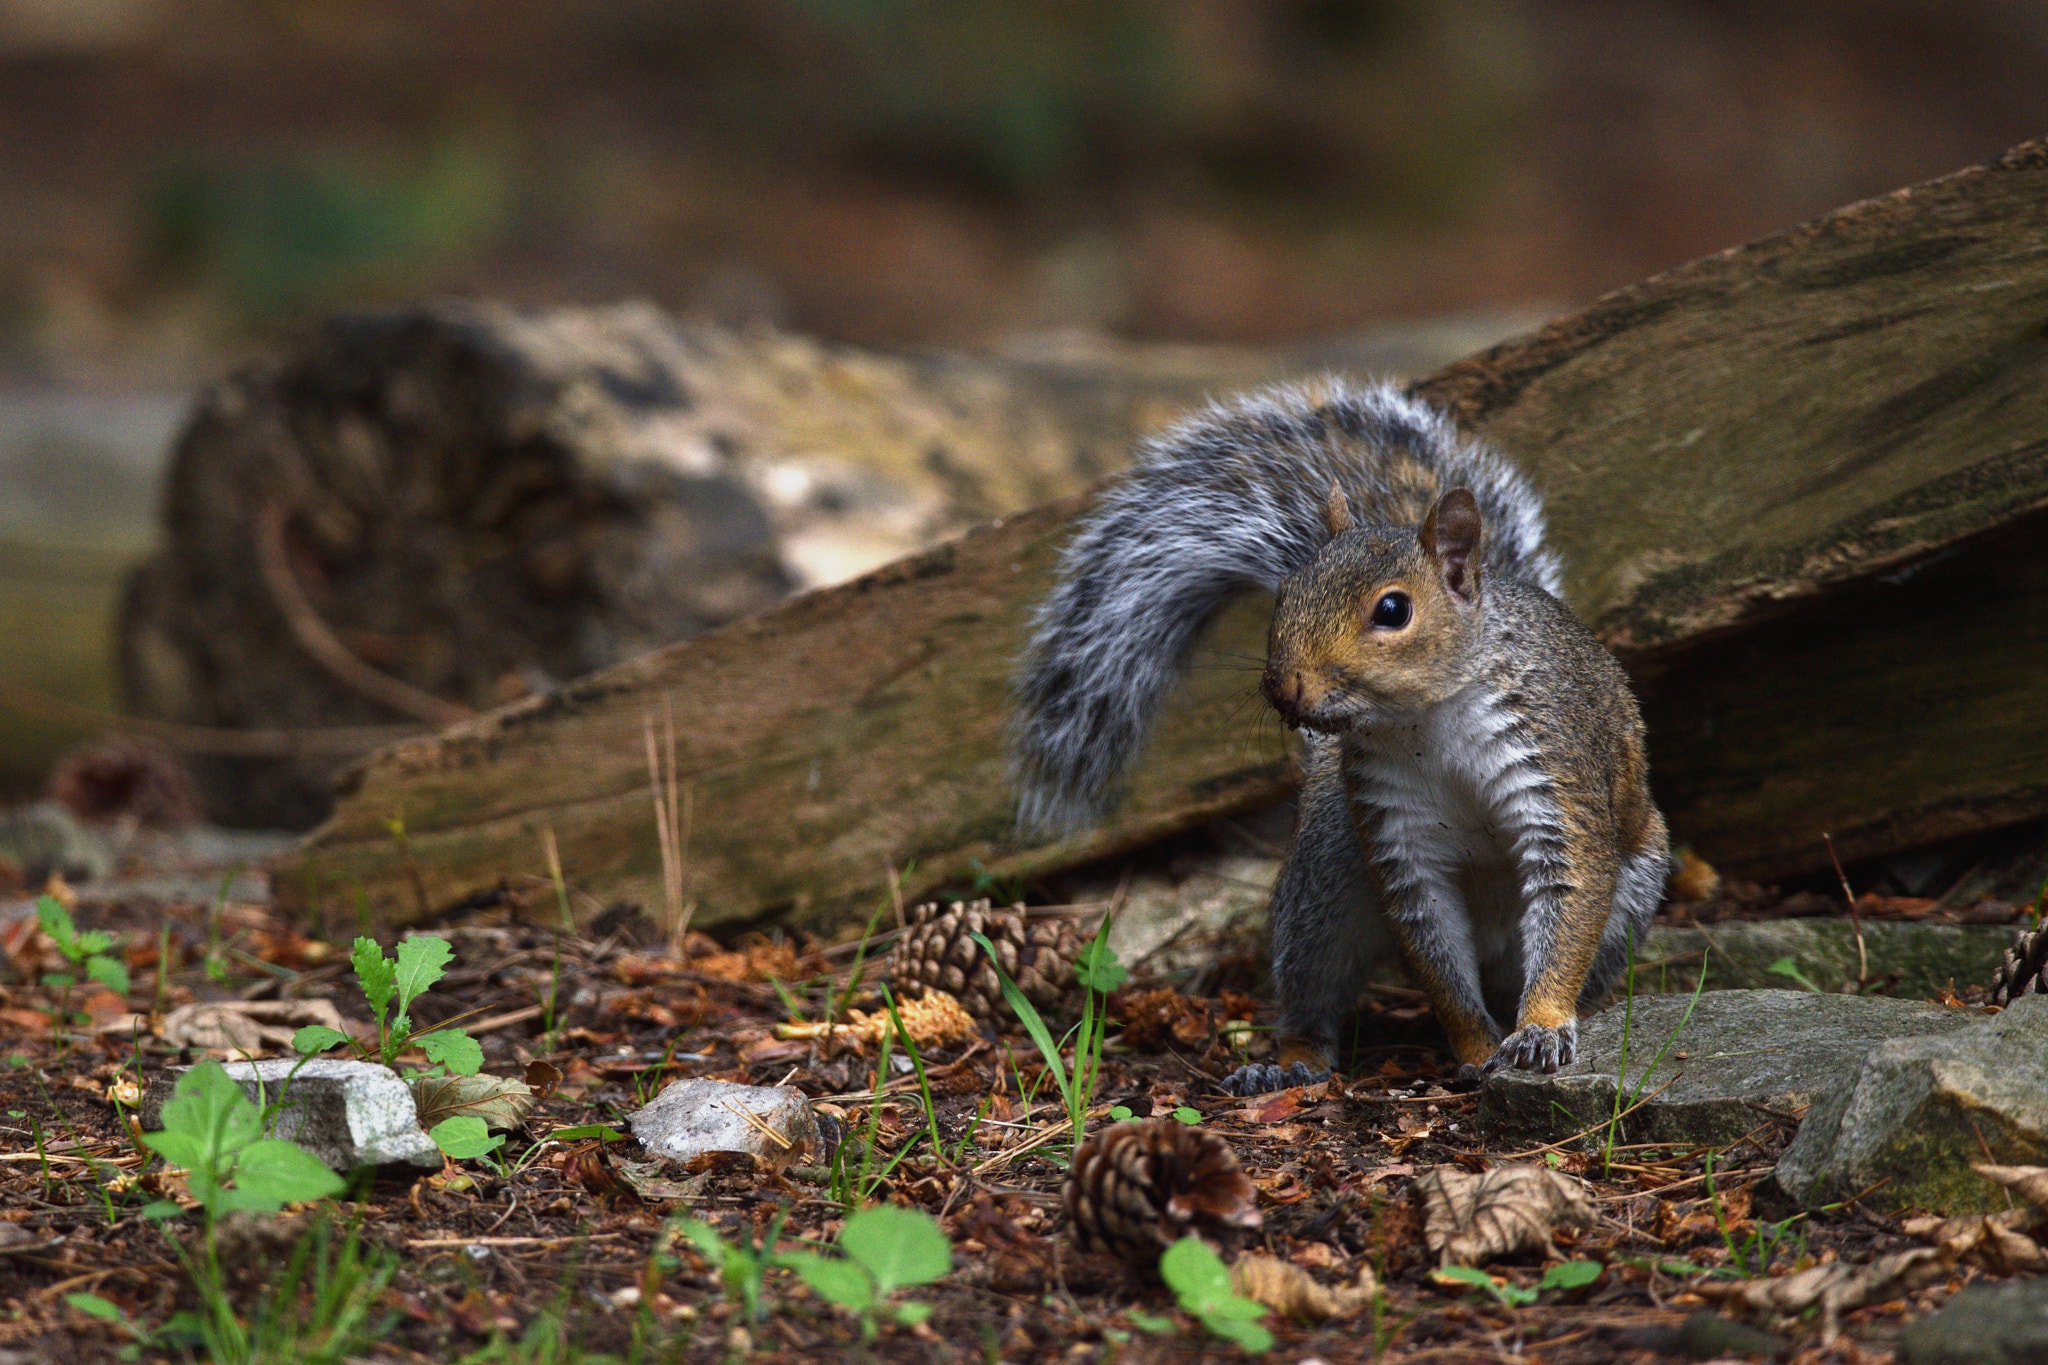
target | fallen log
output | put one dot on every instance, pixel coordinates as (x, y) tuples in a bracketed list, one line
[(1788, 482)]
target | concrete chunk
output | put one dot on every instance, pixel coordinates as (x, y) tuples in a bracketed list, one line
[(348, 1114), (1914, 1114), (1742, 1058), (697, 1116)]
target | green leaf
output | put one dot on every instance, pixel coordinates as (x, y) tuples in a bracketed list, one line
[(1096, 966), (271, 1173), (1121, 1113), (1027, 1014), (375, 974), (1195, 1273), (1786, 966), (456, 1050), (898, 1246), (1571, 1275), (109, 973), (1147, 1322), (911, 1314), (59, 981), (93, 941), (422, 960), (94, 1306), (160, 1209), (56, 922), (834, 1280), (1513, 1295), (704, 1237), (1249, 1335), (317, 1038), (601, 1131), (499, 1102), (464, 1137), (1188, 1115), (215, 1120)]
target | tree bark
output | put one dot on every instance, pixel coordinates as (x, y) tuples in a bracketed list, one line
[(1791, 483)]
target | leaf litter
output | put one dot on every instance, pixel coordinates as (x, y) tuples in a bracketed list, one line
[(1361, 1188)]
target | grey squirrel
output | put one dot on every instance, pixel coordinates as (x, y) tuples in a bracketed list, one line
[(1475, 786)]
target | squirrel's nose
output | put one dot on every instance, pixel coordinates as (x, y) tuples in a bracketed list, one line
[(1285, 693)]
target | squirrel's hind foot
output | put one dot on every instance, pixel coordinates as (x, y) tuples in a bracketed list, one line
[(1534, 1047), (1256, 1078)]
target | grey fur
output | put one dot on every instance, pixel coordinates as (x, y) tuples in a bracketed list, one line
[(1230, 498)]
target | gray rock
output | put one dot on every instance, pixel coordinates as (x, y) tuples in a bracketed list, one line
[(1914, 1114), (2005, 1324), (349, 1114), (693, 1117), (1915, 961), (1741, 1058)]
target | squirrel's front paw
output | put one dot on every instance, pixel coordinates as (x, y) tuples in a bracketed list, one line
[(1256, 1078), (1536, 1048)]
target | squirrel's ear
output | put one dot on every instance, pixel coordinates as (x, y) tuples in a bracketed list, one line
[(1337, 510), (1450, 536)]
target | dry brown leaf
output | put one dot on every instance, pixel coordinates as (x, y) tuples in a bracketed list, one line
[(1292, 1292), (2005, 1243), (1836, 1288), (1471, 1219), (245, 1026)]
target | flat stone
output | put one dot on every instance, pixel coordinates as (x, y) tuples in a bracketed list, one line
[(2002, 1324), (348, 1114), (1739, 1060), (693, 1117), (1913, 1114), (1914, 961)]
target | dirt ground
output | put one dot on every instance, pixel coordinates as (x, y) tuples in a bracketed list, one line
[(556, 1228)]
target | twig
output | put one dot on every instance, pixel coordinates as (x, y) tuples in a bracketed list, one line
[(513, 1241), (1604, 1123), (507, 1020), (1862, 962), (324, 647)]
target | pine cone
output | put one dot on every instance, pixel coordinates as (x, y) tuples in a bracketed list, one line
[(2025, 969), (936, 953), (1137, 1188)]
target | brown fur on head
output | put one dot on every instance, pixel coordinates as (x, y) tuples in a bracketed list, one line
[(1380, 622)]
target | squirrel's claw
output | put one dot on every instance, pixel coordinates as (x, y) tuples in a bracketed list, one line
[(1534, 1047), (1256, 1078)]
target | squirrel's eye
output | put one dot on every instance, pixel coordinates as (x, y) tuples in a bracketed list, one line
[(1391, 611)]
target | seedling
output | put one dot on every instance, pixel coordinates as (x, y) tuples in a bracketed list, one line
[(1568, 1275), (1195, 1274), (214, 1132), (422, 960), (86, 952), (1785, 966), (1099, 973), (1121, 1113), (743, 1265), (885, 1248)]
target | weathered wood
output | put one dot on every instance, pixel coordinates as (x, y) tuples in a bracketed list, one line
[(1720, 444)]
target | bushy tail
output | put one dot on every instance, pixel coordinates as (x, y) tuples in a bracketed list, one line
[(1228, 499)]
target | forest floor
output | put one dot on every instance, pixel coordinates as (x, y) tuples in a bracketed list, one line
[(545, 1250)]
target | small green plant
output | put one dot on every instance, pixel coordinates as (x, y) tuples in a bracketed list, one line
[(213, 1130), (1185, 1113), (1785, 966), (1099, 973), (422, 960), (1751, 1256), (86, 952), (1195, 1274), (742, 1265), (1567, 1275), (885, 1248)]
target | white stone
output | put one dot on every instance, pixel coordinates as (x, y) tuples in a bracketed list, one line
[(697, 1116)]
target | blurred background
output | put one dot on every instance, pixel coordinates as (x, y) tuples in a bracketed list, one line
[(184, 185)]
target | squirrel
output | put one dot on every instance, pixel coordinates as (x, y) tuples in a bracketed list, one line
[(1475, 782)]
